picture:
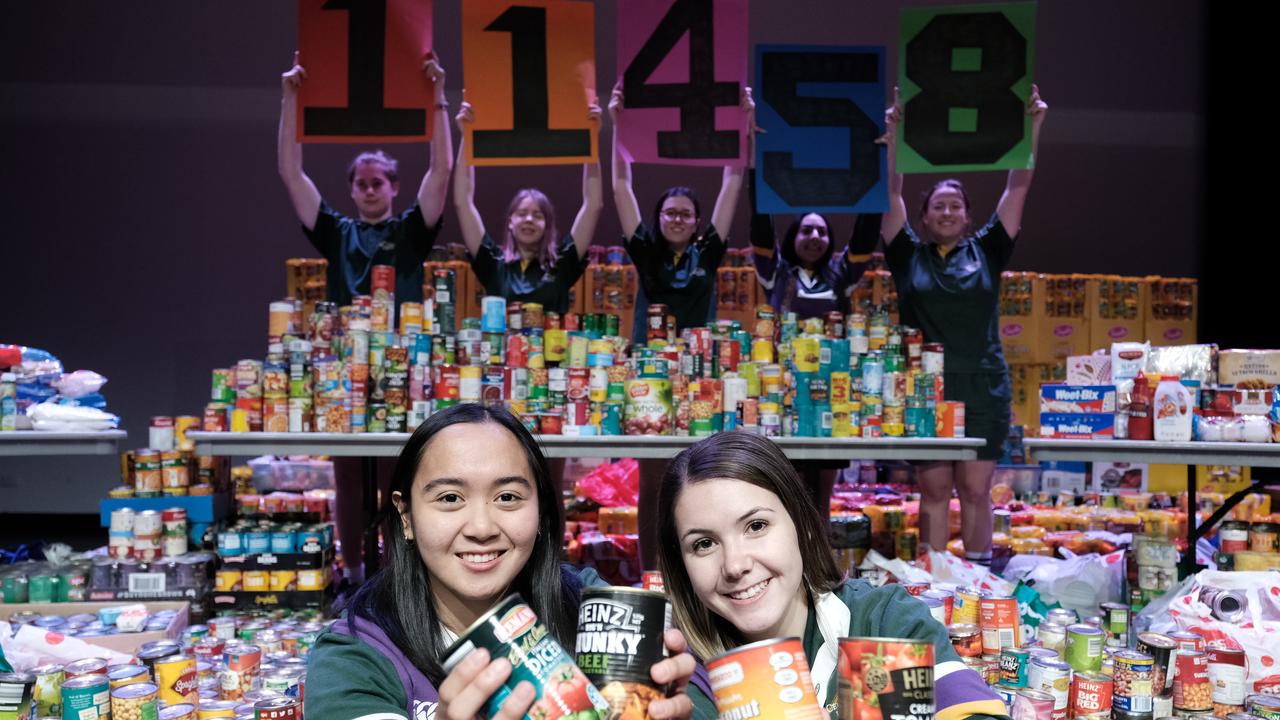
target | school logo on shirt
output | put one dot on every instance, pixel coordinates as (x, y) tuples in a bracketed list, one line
[(424, 710)]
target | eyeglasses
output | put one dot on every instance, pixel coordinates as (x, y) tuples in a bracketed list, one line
[(672, 215)]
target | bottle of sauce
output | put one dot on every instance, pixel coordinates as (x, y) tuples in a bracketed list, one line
[(1140, 426)]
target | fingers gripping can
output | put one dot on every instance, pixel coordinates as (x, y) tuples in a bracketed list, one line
[(512, 630), (767, 679), (886, 678), (619, 640)]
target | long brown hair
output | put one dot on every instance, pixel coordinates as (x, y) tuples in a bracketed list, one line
[(547, 251), (752, 459)]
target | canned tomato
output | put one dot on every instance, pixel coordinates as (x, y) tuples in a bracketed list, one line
[(892, 677), (512, 630), (1226, 675), (86, 696), (769, 678), (1090, 696), (999, 621), (966, 639), (138, 701), (176, 678), (619, 640), (1131, 675), (1084, 648), (1161, 649), (1191, 689), (1032, 705)]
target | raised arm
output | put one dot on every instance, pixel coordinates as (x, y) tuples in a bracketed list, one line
[(464, 185), (302, 192), (896, 217), (731, 181), (624, 196), (1014, 198), (584, 225), (435, 184)]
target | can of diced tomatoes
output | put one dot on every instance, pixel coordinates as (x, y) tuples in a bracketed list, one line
[(886, 677)]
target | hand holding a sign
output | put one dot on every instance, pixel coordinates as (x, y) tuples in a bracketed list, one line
[(1015, 191), (302, 191)]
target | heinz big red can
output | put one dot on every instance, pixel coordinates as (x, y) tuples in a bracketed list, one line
[(512, 630)]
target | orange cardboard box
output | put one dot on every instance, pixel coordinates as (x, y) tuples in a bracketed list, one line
[(1172, 310)]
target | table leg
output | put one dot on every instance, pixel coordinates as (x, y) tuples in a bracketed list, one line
[(1188, 565)]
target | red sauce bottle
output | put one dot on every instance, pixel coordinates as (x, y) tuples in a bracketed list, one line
[(1140, 426)]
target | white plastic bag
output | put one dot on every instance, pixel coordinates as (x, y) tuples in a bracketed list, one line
[(1080, 582), (79, 383), (52, 417), (948, 568), (1257, 633), (34, 646)]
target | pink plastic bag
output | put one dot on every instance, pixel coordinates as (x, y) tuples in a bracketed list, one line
[(612, 485)]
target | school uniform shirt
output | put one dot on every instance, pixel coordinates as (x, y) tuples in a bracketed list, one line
[(529, 282), (356, 672), (954, 300), (353, 247), (686, 284), (856, 609), (791, 288)]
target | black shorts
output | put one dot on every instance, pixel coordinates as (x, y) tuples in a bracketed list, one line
[(988, 407)]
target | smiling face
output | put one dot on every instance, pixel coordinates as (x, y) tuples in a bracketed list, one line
[(473, 516), (373, 192), (679, 218), (812, 239), (528, 224), (946, 215), (743, 559)]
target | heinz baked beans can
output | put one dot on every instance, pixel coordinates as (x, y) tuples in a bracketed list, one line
[(619, 639), (766, 679), (1090, 696), (885, 678), (512, 630)]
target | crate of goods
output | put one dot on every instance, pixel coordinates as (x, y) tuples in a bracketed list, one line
[(1064, 320), (1117, 309), (1172, 310), (1021, 298)]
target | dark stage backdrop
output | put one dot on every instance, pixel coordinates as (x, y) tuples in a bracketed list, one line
[(146, 228)]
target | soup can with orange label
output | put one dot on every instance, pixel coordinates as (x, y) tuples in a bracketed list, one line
[(766, 679)]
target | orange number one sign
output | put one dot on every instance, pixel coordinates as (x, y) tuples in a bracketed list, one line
[(530, 74), (364, 71)]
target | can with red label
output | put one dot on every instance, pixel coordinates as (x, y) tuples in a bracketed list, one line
[(999, 621), (278, 708), (1090, 696), (1187, 640), (1226, 675), (652, 580), (1191, 689), (884, 677)]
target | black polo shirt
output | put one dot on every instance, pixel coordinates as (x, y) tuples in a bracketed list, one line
[(532, 283), (687, 284), (353, 247), (954, 299)]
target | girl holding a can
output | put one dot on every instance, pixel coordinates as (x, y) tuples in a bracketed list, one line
[(745, 558), (948, 280), (531, 264), (472, 518)]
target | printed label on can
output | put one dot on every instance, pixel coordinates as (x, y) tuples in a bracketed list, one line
[(619, 641), (768, 679), (886, 677), (512, 630)]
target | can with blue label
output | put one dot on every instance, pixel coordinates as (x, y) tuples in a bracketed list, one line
[(493, 314), (283, 541)]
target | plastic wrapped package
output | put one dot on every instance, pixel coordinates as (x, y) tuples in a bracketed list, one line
[(79, 384), (51, 417), (1188, 362)]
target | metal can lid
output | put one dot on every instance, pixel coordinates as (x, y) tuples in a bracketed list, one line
[(136, 690)]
